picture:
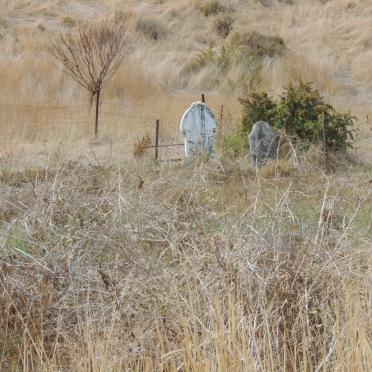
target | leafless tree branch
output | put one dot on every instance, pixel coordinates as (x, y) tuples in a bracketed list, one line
[(92, 53)]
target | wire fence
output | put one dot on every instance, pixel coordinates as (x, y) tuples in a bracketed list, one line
[(37, 123), (39, 115), (126, 123)]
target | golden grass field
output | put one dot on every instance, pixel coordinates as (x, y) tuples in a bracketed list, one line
[(328, 43), (110, 262)]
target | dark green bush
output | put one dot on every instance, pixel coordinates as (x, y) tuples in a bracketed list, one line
[(300, 111), (256, 107)]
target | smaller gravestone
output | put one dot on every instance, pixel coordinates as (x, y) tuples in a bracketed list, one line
[(198, 126), (263, 143)]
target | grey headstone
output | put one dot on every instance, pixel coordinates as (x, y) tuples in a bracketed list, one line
[(198, 126), (263, 143)]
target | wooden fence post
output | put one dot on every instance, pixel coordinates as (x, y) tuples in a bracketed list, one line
[(221, 119), (325, 143), (157, 139), (203, 98)]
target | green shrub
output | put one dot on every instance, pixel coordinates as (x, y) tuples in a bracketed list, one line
[(233, 144), (256, 107), (246, 50), (244, 53), (201, 59), (300, 111), (224, 60)]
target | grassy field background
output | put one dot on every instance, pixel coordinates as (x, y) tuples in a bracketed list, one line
[(114, 263), (326, 42)]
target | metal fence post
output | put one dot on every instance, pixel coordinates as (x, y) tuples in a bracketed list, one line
[(221, 118), (325, 143), (157, 139)]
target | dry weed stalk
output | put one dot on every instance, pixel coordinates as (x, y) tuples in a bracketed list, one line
[(139, 147)]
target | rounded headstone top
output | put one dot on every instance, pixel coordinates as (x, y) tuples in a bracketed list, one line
[(263, 143), (263, 126), (199, 104), (198, 125)]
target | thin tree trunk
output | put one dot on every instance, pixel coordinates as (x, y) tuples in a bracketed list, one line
[(97, 111)]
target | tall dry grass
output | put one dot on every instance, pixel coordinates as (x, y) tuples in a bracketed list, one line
[(211, 266)]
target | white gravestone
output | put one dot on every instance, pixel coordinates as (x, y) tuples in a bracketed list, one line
[(198, 126)]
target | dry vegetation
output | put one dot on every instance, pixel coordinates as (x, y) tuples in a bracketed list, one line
[(200, 267), (114, 263)]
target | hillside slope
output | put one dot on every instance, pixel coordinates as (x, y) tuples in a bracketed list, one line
[(328, 42), (179, 51)]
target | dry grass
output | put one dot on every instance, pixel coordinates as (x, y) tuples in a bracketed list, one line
[(332, 35), (210, 266)]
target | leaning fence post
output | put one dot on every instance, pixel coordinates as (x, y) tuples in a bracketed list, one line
[(157, 139), (325, 143)]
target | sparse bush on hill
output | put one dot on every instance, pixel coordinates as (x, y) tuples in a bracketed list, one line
[(243, 51), (151, 29), (223, 25), (258, 44), (211, 7), (300, 111), (266, 3)]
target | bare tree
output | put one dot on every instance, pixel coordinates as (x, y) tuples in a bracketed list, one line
[(91, 54)]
